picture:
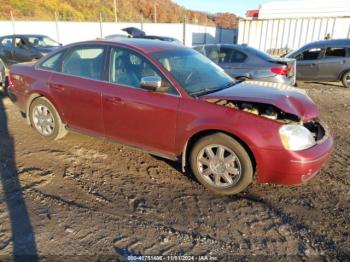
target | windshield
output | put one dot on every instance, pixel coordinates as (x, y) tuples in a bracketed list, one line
[(42, 41), (193, 71)]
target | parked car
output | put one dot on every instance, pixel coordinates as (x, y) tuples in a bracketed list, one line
[(326, 60), (2, 74), (137, 33), (25, 48), (115, 37), (174, 102), (244, 62)]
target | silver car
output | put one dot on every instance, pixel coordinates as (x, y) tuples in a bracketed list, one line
[(326, 60), (244, 62)]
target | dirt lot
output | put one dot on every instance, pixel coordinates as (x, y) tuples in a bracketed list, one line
[(84, 197)]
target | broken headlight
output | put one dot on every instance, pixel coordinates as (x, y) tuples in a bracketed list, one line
[(296, 137)]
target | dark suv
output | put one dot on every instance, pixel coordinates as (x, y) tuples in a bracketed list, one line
[(327, 60), (25, 48)]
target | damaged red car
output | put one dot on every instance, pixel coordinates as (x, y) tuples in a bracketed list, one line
[(173, 102)]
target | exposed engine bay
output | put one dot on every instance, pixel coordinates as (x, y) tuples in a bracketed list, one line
[(264, 110), (273, 113)]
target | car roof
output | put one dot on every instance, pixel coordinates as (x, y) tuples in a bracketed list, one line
[(22, 35), (330, 42), (236, 46), (144, 45)]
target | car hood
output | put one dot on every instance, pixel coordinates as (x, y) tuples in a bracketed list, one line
[(287, 98)]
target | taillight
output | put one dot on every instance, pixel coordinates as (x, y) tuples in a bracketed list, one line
[(10, 79), (281, 70)]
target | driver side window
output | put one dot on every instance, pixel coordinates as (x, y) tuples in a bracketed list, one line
[(311, 54), (127, 68), (20, 43)]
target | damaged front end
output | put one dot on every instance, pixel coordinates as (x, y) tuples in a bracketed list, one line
[(306, 134), (264, 110)]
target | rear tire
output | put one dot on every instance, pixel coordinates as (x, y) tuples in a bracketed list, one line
[(242, 78), (5, 86), (346, 79), (221, 164), (45, 119)]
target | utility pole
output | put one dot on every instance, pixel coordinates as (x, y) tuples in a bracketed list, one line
[(101, 30), (155, 13), (56, 23), (13, 22), (115, 11)]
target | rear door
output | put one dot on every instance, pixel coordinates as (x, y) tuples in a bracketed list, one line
[(308, 64), (333, 63), (77, 87), (232, 61), (133, 115)]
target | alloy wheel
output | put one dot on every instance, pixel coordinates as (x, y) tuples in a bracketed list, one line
[(219, 166), (43, 120)]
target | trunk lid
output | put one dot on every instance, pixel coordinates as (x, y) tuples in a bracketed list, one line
[(290, 63)]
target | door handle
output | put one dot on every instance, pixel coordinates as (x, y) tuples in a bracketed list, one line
[(114, 100), (57, 87)]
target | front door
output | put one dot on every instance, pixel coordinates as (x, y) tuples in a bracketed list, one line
[(308, 64), (333, 63), (133, 115), (22, 51)]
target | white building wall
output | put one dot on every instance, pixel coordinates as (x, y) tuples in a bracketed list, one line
[(290, 33), (70, 32), (304, 8)]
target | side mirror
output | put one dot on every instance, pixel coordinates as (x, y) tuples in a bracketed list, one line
[(153, 84)]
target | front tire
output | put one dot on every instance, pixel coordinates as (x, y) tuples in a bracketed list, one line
[(346, 79), (221, 164), (45, 119)]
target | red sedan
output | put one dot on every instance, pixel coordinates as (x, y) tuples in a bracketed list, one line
[(173, 102)]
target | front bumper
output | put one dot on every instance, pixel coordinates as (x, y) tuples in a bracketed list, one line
[(292, 168)]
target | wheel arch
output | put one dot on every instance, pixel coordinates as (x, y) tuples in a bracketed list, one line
[(340, 77), (35, 96), (198, 135)]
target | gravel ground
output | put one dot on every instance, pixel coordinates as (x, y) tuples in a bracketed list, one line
[(83, 198)]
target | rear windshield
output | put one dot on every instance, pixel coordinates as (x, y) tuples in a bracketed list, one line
[(258, 53)]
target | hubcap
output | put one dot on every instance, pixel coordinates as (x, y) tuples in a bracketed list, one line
[(219, 166), (43, 120), (347, 79)]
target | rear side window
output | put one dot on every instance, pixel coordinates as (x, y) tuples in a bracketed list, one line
[(335, 52), (230, 55), (53, 63), (311, 54), (7, 41), (85, 62)]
